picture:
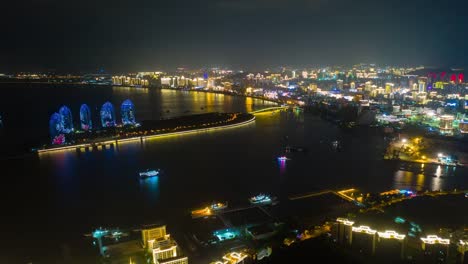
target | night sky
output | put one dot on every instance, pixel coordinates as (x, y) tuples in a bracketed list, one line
[(88, 35)]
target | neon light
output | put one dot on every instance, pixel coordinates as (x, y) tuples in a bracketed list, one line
[(433, 239)]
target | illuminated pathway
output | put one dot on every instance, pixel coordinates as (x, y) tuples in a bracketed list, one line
[(141, 138)]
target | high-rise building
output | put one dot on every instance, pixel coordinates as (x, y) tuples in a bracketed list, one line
[(422, 86), (305, 74)]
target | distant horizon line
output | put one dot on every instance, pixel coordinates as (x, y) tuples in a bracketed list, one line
[(234, 69)]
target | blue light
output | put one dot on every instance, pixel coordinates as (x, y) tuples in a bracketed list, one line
[(85, 118), (67, 121), (107, 115), (127, 110)]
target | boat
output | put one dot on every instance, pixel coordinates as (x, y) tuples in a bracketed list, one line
[(261, 199), (282, 158), (149, 174), (218, 206)]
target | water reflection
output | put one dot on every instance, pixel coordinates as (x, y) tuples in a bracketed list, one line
[(150, 190), (282, 166)]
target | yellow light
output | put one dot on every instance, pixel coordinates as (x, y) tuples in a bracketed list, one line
[(391, 235), (433, 239), (345, 221), (364, 229)]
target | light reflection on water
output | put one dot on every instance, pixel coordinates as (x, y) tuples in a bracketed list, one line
[(422, 177), (150, 190)]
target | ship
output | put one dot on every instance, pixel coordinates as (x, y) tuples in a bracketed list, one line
[(262, 199), (148, 174)]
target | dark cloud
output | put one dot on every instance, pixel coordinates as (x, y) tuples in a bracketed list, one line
[(146, 34)]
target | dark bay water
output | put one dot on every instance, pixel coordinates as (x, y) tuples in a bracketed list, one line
[(59, 196)]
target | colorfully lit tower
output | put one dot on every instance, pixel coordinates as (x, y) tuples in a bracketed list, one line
[(127, 110), (67, 121), (85, 118), (107, 115)]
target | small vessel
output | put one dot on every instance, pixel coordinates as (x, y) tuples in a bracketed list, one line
[(261, 199), (218, 206), (282, 158), (149, 173)]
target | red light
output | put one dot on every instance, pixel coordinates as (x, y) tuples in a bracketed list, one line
[(442, 75), (453, 77), (461, 77)]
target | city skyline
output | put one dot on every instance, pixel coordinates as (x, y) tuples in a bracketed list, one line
[(86, 36)]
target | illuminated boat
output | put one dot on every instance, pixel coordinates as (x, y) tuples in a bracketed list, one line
[(218, 206), (261, 199), (282, 158), (149, 174)]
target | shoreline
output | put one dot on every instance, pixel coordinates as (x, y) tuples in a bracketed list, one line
[(214, 92), (149, 87), (104, 143)]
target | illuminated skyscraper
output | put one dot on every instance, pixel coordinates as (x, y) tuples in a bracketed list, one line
[(107, 115), (422, 86), (85, 118), (127, 110)]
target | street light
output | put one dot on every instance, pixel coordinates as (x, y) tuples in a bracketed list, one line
[(403, 140)]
